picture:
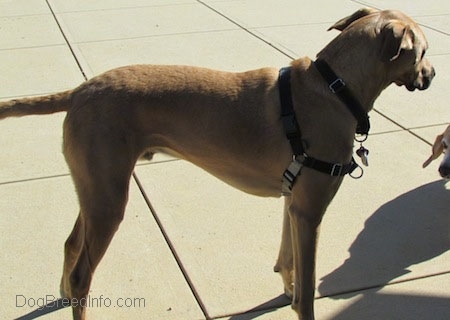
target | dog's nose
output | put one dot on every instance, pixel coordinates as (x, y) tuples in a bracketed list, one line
[(427, 78), (432, 74), (444, 171)]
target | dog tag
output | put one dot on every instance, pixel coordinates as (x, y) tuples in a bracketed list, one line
[(363, 153)]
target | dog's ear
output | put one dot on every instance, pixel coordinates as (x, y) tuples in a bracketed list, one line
[(345, 22), (437, 150), (395, 37)]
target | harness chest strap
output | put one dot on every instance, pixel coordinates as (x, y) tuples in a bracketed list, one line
[(292, 130)]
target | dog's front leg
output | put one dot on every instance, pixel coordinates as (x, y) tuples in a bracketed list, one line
[(296, 259), (310, 198), (304, 233), (285, 261)]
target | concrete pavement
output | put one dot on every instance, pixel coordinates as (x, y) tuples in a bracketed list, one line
[(191, 247)]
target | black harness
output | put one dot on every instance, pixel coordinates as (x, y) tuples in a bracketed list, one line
[(292, 130)]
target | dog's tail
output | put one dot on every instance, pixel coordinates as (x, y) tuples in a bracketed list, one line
[(49, 104)]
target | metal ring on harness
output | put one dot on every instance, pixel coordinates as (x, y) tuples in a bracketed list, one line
[(351, 174), (361, 138)]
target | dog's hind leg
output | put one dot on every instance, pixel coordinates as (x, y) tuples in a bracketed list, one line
[(101, 167), (72, 249), (102, 210)]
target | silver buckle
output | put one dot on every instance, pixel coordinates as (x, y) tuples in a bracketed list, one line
[(336, 171), (337, 85), (290, 175)]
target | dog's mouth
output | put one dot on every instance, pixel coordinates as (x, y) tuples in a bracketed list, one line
[(421, 82), (420, 85), (410, 86)]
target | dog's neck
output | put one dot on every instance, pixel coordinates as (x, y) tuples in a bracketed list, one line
[(365, 79), (338, 86)]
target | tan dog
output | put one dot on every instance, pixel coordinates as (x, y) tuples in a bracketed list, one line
[(441, 145), (230, 125)]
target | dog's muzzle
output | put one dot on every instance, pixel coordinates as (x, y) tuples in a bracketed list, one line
[(424, 77), (444, 171)]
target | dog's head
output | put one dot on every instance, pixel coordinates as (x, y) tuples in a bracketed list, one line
[(400, 44), (441, 145)]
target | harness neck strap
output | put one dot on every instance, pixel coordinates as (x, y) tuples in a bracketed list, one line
[(338, 87)]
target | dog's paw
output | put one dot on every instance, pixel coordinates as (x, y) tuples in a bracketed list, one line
[(276, 268), (63, 291), (288, 279), (289, 291)]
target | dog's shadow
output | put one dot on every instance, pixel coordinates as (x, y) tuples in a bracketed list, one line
[(410, 229), (406, 231)]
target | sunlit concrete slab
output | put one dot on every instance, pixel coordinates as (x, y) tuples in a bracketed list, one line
[(23, 7), (35, 71), (388, 226), (254, 13), (88, 5), (419, 108), (29, 31), (226, 240), (416, 8), (137, 279), (187, 49), (100, 25), (415, 300), (34, 148)]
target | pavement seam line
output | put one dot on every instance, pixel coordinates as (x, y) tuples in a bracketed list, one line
[(63, 175), (408, 130), (72, 51), (172, 248), (383, 285), (241, 27), (366, 4)]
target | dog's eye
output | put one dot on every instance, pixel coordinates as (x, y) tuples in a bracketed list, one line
[(444, 144)]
